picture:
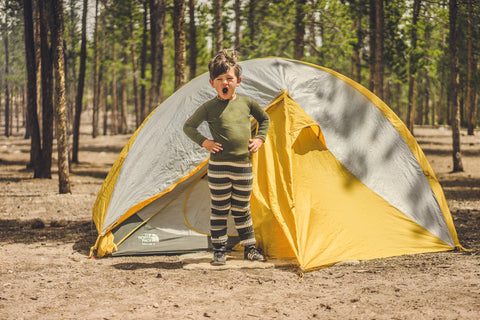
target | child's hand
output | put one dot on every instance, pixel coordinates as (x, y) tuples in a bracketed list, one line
[(212, 146), (255, 144)]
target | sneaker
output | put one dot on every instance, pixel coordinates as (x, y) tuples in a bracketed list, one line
[(253, 254), (219, 258)]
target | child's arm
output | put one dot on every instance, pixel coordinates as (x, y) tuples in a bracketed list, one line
[(263, 124), (191, 130), (191, 126)]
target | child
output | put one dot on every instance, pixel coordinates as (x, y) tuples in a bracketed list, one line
[(230, 176)]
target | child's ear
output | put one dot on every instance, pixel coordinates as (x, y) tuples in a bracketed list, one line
[(211, 82), (239, 80)]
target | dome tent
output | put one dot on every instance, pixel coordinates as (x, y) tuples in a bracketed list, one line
[(339, 177)]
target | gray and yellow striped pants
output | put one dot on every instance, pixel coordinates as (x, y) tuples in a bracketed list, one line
[(230, 186)]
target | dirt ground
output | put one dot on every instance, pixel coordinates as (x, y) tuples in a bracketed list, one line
[(45, 272)]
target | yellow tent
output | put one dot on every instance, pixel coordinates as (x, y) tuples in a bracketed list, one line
[(308, 206), (339, 177)]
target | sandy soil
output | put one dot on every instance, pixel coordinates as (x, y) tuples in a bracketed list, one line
[(45, 273)]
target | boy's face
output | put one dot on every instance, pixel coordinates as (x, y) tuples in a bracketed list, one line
[(225, 84)]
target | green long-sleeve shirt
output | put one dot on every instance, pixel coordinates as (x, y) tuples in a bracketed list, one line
[(229, 123)]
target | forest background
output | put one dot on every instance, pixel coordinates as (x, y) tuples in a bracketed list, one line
[(118, 60)]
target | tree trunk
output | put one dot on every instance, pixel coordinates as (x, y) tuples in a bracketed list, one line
[(372, 33), (47, 89), (442, 106), (357, 30), (114, 126), (13, 102), (157, 34), (95, 76), (379, 50), (299, 41), (102, 99), (471, 109), (441, 110), (133, 53), (252, 9), (32, 116), (143, 63), (38, 62), (238, 25), (192, 35), (81, 84), (453, 97), (71, 65), (7, 94), (123, 93), (412, 70), (60, 104), (427, 98), (312, 29), (179, 32), (17, 110), (217, 24)]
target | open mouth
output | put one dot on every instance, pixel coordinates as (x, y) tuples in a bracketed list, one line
[(225, 90)]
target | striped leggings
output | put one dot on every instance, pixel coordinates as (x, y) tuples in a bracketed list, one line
[(230, 186)]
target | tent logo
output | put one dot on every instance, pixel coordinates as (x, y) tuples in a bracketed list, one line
[(149, 239)]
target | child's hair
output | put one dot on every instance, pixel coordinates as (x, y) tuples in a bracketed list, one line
[(224, 60)]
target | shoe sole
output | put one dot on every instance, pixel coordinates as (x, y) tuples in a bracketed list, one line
[(264, 260)]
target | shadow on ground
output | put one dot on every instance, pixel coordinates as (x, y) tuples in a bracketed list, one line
[(466, 223), (154, 265), (82, 233)]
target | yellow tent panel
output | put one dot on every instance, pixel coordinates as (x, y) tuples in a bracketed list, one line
[(306, 204)]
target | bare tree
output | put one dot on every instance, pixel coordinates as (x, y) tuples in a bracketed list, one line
[(101, 78), (70, 61), (7, 93), (32, 116), (426, 96), (355, 9), (192, 39), (372, 43), (95, 75), (143, 62), (412, 69), (81, 84), (252, 9), (300, 6), (238, 25), (47, 89), (471, 109), (157, 34), (442, 110), (38, 55), (379, 68), (123, 127), (218, 24), (114, 126), (133, 54), (453, 96), (60, 104), (179, 32)]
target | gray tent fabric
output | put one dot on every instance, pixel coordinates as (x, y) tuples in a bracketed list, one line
[(356, 132)]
